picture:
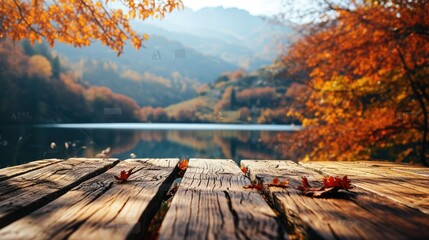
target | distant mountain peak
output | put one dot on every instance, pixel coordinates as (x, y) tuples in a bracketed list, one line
[(222, 8)]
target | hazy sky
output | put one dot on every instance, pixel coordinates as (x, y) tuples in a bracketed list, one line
[(255, 7)]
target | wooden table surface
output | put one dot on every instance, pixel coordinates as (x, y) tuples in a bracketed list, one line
[(79, 198)]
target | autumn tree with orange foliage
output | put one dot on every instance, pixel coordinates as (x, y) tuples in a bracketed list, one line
[(79, 22), (366, 67)]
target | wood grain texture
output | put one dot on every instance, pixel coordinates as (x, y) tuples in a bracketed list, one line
[(9, 172), (360, 214), (397, 166), (25, 193), (101, 207), (211, 203), (394, 181)]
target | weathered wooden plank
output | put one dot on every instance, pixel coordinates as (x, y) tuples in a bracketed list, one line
[(396, 166), (386, 164), (376, 171), (418, 171), (408, 169), (25, 193), (404, 187), (357, 215), (101, 207), (10, 172), (211, 203)]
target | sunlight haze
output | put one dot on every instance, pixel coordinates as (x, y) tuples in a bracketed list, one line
[(254, 7)]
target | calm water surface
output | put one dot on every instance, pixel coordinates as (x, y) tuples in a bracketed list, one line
[(20, 144)]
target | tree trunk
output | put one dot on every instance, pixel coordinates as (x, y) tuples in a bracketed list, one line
[(422, 104), (424, 139)]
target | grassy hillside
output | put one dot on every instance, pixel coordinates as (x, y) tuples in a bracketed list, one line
[(239, 97)]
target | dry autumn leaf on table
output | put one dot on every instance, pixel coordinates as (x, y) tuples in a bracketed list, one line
[(256, 186), (277, 183), (183, 164), (123, 176), (244, 169), (341, 183), (330, 185)]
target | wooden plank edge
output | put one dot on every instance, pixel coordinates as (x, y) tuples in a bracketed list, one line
[(54, 160), (13, 216), (154, 205)]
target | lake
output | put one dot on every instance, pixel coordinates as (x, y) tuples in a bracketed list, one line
[(24, 143)]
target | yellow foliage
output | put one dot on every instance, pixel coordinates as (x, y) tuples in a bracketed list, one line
[(39, 66), (78, 22)]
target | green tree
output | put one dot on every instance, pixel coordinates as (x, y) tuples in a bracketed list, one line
[(232, 98)]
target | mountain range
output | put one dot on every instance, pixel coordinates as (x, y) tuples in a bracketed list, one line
[(185, 49)]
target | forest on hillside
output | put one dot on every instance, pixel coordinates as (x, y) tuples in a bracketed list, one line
[(46, 87)]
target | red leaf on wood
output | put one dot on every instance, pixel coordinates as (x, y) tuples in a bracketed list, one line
[(341, 183), (305, 184), (254, 186), (277, 183), (183, 164), (330, 185), (123, 176)]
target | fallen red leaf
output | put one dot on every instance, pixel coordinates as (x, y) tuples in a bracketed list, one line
[(330, 185), (305, 184), (254, 186), (183, 164), (123, 176), (244, 169), (276, 183), (341, 183)]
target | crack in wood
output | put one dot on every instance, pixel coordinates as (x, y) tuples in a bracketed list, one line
[(234, 215), (190, 214), (154, 206)]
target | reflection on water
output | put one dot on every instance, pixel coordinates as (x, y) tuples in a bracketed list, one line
[(20, 144)]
